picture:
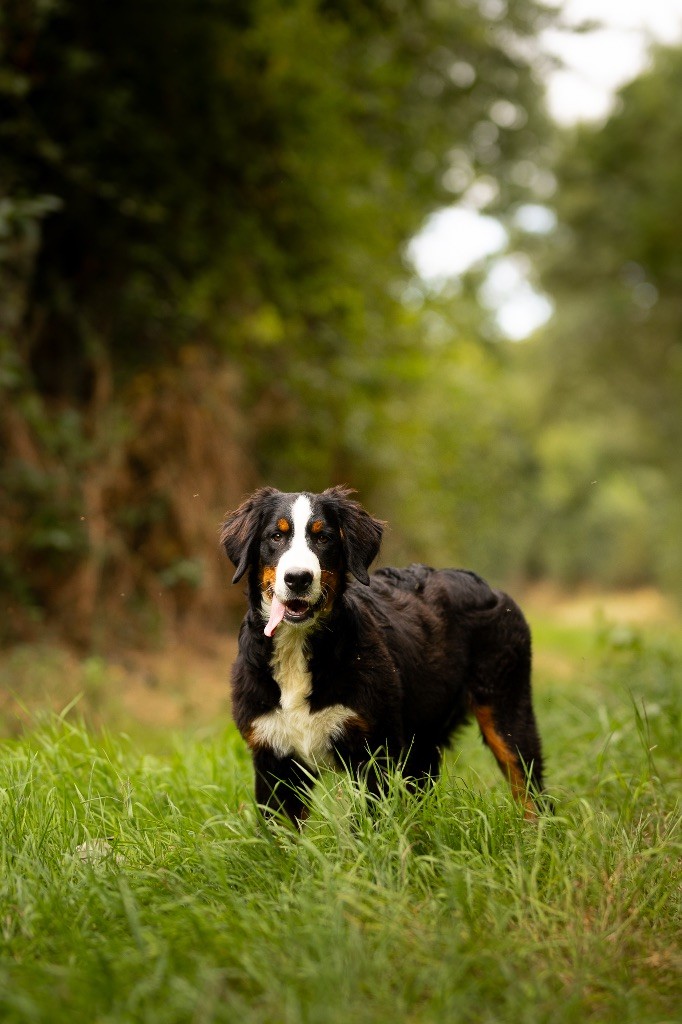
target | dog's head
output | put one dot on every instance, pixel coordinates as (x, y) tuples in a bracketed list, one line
[(297, 549)]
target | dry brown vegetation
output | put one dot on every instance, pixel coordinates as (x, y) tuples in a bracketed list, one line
[(165, 464)]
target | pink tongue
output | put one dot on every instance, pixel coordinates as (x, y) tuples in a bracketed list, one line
[(277, 611)]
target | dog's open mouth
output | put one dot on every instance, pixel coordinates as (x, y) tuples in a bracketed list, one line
[(295, 610)]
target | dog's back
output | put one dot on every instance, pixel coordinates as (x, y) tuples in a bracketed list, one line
[(456, 644)]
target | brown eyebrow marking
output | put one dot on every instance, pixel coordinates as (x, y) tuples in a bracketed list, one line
[(283, 525), (317, 526)]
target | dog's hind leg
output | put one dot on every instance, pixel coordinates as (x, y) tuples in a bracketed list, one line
[(516, 748), (500, 698)]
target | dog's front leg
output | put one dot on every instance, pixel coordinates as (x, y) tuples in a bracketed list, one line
[(281, 785), (368, 754)]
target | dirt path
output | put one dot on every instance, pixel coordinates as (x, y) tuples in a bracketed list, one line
[(644, 606)]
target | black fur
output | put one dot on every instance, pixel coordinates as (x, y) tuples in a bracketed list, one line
[(412, 652)]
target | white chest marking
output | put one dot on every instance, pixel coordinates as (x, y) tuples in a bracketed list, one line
[(292, 729)]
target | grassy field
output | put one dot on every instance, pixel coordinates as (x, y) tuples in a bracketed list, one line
[(138, 883)]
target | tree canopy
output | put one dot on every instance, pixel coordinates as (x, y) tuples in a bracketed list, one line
[(204, 213), (612, 355), (225, 189)]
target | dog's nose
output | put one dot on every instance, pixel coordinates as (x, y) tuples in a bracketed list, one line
[(298, 580)]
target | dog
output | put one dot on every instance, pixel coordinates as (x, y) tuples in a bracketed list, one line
[(340, 668)]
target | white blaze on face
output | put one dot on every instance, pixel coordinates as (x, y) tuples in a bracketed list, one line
[(299, 556)]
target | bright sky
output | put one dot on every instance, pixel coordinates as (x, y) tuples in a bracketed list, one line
[(596, 63), (600, 62)]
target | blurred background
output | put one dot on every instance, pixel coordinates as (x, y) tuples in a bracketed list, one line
[(428, 248)]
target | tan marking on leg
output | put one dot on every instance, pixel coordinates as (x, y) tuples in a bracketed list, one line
[(506, 759), (357, 724), (253, 740)]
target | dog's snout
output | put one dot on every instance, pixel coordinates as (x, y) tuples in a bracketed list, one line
[(298, 580)]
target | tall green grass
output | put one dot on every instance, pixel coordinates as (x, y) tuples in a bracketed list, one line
[(139, 887)]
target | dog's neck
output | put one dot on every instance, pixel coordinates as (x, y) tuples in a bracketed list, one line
[(292, 729), (289, 664)]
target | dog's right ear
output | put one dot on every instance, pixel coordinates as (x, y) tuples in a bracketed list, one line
[(241, 528)]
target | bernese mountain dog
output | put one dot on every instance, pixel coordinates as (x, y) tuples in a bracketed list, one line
[(337, 667)]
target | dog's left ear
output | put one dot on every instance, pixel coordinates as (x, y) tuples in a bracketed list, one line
[(361, 533), (241, 529)]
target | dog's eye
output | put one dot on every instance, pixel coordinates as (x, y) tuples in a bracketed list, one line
[(277, 536), (321, 540)]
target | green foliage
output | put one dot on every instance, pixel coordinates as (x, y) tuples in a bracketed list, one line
[(238, 180), (457, 451), (249, 171), (145, 887), (234, 192), (612, 356)]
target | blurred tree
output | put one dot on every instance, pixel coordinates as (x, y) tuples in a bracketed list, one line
[(612, 356), (235, 179), (244, 170)]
